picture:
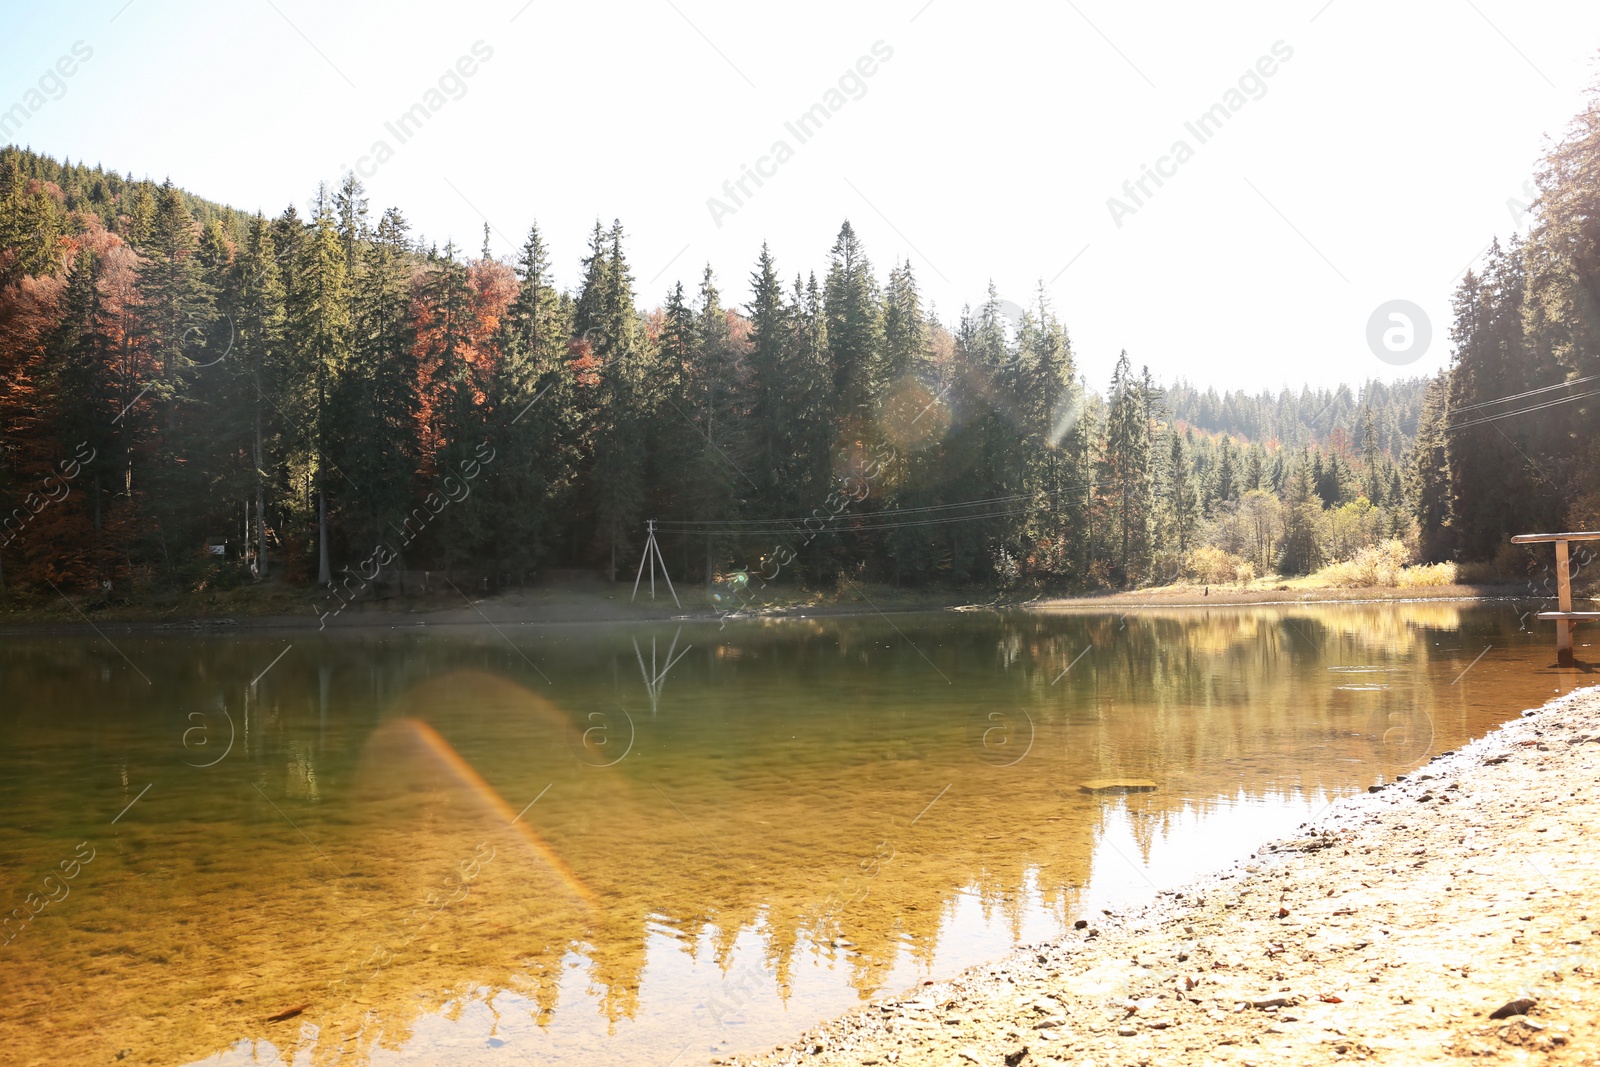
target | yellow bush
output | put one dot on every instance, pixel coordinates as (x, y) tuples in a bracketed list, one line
[(1428, 574), (1374, 565), (1384, 564), (1213, 566)]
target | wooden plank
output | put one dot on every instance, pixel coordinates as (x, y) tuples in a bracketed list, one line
[(1530, 539), (1564, 604), (1563, 578), (1572, 616)]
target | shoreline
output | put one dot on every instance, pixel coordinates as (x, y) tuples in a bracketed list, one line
[(589, 604), (1445, 916)]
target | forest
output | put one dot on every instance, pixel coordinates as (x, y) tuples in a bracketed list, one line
[(195, 397)]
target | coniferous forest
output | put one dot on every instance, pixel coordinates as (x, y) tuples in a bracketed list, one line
[(192, 395)]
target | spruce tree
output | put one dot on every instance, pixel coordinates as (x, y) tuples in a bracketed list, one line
[(531, 422), (1181, 501), (317, 333), (855, 332), (1125, 471), (177, 306), (608, 322), (256, 301), (373, 436), (775, 382)]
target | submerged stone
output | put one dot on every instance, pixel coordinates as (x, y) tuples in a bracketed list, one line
[(1117, 785)]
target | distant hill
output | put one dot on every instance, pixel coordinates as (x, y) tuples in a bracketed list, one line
[(108, 195), (1311, 416)]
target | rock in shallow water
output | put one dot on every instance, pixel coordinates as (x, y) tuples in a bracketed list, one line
[(1117, 785)]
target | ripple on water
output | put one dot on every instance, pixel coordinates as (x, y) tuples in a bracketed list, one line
[(802, 816)]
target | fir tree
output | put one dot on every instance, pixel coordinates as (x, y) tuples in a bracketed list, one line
[(1125, 470), (317, 332)]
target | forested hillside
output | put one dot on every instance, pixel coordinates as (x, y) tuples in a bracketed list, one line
[(192, 395), (1305, 417)]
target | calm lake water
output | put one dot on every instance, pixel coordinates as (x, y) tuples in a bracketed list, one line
[(653, 844)]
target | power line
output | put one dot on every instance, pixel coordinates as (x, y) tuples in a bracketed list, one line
[(1523, 411), (873, 522), (807, 518), (836, 529), (1519, 396)]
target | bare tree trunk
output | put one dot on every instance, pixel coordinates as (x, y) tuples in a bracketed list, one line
[(261, 505), (324, 569)]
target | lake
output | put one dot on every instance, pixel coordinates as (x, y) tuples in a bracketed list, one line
[(655, 844)]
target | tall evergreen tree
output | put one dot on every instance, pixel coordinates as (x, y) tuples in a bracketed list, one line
[(177, 306), (608, 327), (1181, 503), (373, 436), (31, 225), (256, 302), (531, 421), (1125, 471), (855, 331), (317, 332), (1299, 551)]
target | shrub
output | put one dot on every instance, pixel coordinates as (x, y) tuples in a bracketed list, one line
[(1378, 564), (1213, 566), (1006, 568), (1512, 563), (1427, 574), (1384, 564)]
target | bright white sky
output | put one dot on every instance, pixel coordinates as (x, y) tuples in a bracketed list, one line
[(1377, 165)]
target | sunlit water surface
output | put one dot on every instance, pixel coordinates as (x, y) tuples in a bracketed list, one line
[(654, 845)]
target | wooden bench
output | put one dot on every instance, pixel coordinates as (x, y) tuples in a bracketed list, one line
[(1565, 618)]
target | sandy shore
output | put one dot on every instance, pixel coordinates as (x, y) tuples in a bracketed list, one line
[(1453, 915), (1188, 595), (598, 603)]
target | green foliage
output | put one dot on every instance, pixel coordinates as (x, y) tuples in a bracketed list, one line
[(314, 390)]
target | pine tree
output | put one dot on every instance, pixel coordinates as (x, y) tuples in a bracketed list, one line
[(1253, 468), (717, 470), (1046, 407), (256, 302), (774, 390), (607, 322), (1125, 470), (674, 444), (910, 416), (69, 542), (1498, 486), (531, 421), (1429, 476), (32, 229), (451, 413), (350, 205), (855, 332), (1227, 488), (318, 331), (1299, 549), (1181, 503), (813, 400), (373, 437), (177, 306)]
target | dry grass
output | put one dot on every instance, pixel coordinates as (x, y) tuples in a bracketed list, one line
[(1384, 565)]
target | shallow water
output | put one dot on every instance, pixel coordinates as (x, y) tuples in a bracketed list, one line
[(654, 844)]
